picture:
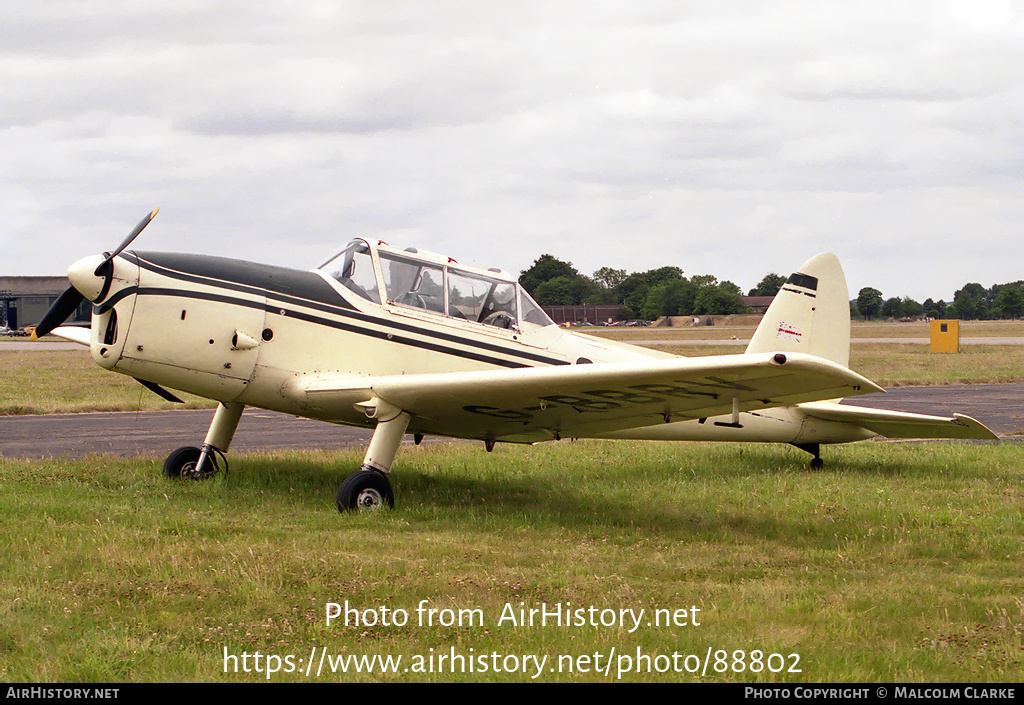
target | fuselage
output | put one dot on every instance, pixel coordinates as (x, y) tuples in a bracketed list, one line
[(247, 333)]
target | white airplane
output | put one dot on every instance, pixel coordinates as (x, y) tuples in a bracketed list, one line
[(404, 341)]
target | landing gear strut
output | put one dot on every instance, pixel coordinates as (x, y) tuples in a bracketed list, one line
[(368, 488), (200, 463)]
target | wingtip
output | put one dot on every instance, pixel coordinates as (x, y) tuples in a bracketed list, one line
[(979, 430)]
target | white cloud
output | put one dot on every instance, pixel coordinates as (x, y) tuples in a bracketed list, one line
[(730, 138)]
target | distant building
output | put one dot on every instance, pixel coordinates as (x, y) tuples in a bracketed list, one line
[(760, 304), (609, 313), (24, 300), (584, 313)]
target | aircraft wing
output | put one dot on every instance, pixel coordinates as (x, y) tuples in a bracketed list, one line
[(899, 424), (541, 403)]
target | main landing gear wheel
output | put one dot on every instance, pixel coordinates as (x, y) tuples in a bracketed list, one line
[(365, 491), (183, 464)]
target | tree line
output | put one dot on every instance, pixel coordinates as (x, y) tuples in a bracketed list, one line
[(973, 302), (666, 292), (656, 292)]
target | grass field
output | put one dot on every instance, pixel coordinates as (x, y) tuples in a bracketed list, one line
[(858, 331), (47, 382), (898, 562), (892, 364), (68, 381)]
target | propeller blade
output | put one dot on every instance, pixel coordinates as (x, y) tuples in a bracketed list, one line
[(62, 309), (127, 241)]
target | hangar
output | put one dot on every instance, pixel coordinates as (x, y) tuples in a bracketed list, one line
[(24, 300)]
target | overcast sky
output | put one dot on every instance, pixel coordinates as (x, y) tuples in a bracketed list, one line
[(724, 137)]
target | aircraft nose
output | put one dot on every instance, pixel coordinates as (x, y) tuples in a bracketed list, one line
[(84, 278)]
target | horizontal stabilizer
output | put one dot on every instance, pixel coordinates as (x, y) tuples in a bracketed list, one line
[(899, 424)]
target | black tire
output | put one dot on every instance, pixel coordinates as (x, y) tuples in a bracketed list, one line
[(365, 491), (181, 464)]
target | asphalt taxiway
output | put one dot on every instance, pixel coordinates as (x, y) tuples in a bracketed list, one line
[(998, 406), (159, 432)]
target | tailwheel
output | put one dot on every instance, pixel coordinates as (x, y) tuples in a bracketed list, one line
[(190, 463), (814, 449), (365, 490)]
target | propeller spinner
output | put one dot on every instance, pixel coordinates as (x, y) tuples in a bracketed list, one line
[(82, 286)]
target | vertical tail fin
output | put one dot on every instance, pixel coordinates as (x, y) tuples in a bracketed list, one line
[(810, 314)]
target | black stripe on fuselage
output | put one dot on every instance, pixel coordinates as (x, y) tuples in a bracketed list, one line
[(299, 288), (309, 318)]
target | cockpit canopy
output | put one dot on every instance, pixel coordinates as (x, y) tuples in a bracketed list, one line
[(421, 280)]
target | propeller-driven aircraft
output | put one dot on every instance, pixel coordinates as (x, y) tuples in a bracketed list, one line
[(405, 341)]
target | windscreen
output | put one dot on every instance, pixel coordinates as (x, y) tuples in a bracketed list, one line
[(411, 282), (354, 269), (533, 316)]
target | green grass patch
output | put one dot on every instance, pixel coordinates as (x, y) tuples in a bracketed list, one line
[(68, 381), (897, 562), (46, 382), (909, 365)]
